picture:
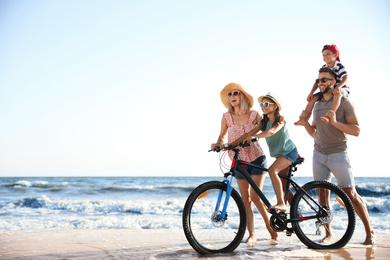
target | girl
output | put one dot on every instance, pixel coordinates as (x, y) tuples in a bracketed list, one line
[(240, 120), (274, 130)]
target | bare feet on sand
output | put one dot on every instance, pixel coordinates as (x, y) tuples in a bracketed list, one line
[(273, 233), (370, 239), (251, 239), (327, 240), (275, 236)]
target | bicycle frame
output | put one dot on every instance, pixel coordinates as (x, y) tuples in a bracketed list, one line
[(239, 165)]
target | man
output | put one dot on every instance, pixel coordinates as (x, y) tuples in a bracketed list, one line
[(330, 145)]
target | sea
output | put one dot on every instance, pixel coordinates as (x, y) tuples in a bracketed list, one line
[(49, 203)]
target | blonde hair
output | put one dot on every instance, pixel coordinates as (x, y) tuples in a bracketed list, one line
[(244, 105)]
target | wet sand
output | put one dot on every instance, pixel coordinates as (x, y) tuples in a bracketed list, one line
[(165, 244)]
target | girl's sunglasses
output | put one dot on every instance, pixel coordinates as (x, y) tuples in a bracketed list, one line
[(323, 80), (266, 104), (235, 93)]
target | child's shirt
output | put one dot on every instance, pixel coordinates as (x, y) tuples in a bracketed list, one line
[(279, 143), (340, 72)]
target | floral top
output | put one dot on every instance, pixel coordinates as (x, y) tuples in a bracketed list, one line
[(250, 153)]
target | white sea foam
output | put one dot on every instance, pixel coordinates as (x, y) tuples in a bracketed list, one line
[(136, 202)]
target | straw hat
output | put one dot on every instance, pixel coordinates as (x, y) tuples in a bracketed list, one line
[(234, 86), (273, 96)]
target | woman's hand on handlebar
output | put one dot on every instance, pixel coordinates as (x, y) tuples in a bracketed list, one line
[(219, 144)]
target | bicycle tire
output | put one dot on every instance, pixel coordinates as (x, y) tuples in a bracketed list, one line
[(204, 233), (339, 218)]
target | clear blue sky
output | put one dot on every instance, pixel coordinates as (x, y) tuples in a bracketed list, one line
[(132, 87)]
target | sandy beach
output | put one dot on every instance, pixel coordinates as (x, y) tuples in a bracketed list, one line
[(163, 244)]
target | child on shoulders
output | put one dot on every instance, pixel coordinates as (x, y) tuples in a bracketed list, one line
[(331, 56)]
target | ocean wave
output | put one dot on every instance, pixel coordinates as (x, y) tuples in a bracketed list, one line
[(164, 207), (152, 189), (378, 205), (373, 190), (90, 188), (91, 222), (24, 184)]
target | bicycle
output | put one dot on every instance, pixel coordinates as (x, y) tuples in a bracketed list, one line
[(214, 216)]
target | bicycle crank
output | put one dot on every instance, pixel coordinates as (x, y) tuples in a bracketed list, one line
[(278, 221)]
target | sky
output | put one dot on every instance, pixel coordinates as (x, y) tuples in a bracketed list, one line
[(131, 88)]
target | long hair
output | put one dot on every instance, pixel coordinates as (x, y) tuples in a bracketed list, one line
[(278, 119)]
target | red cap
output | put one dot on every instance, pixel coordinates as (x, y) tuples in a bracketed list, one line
[(333, 48)]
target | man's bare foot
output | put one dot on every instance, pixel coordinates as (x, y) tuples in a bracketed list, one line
[(370, 239), (280, 207), (327, 240), (325, 119), (251, 239)]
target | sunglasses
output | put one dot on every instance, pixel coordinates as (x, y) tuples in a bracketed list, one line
[(323, 80), (266, 104), (235, 93)]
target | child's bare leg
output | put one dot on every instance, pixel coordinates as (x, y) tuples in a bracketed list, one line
[(335, 106), (305, 116), (280, 164)]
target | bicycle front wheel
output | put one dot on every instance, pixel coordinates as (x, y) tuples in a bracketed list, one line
[(203, 226), (327, 217)]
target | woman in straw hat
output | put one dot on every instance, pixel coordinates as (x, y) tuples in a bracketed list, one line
[(238, 121), (274, 130)]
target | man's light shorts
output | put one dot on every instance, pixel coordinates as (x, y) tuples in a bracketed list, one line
[(336, 163)]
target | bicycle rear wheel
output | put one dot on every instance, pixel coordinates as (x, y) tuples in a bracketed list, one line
[(328, 226), (204, 231)]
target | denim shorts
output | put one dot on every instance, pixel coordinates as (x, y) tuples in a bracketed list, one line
[(261, 161), (292, 156), (336, 163)]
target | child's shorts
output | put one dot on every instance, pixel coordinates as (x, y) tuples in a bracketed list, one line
[(292, 156)]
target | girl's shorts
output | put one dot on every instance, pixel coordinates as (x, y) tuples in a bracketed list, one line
[(292, 156)]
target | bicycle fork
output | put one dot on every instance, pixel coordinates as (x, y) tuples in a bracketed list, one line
[(222, 216)]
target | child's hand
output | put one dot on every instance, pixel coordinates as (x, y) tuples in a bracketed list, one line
[(336, 91), (332, 116), (249, 139), (310, 97)]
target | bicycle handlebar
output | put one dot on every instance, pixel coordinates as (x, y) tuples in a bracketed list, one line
[(229, 147)]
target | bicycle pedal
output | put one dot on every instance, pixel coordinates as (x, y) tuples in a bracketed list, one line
[(288, 233)]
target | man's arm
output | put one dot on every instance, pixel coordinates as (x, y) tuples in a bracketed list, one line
[(311, 128)]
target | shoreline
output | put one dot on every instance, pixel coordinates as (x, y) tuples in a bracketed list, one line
[(164, 244)]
